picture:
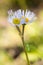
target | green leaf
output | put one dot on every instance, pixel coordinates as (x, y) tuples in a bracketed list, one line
[(30, 47)]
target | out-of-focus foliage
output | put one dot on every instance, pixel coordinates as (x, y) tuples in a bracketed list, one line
[(33, 56), (9, 37), (5, 5), (30, 47), (5, 58)]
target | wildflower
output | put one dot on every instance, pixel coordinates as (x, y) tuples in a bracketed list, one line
[(27, 17), (20, 17)]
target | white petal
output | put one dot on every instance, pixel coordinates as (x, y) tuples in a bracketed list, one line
[(27, 14), (32, 15), (9, 19), (23, 13), (15, 14), (18, 14), (22, 21), (10, 12), (19, 11)]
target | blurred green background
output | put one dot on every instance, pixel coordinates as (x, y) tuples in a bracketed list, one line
[(5, 5), (33, 34)]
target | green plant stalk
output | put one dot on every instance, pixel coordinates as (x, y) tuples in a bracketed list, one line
[(22, 36), (28, 63)]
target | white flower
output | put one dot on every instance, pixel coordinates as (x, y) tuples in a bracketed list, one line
[(27, 17), (20, 17), (15, 18)]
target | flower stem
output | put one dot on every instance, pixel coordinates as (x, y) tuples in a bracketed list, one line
[(24, 45), (22, 37)]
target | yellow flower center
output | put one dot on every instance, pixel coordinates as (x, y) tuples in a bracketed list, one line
[(22, 16), (26, 20), (16, 21)]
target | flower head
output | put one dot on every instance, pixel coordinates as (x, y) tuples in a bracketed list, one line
[(20, 17)]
